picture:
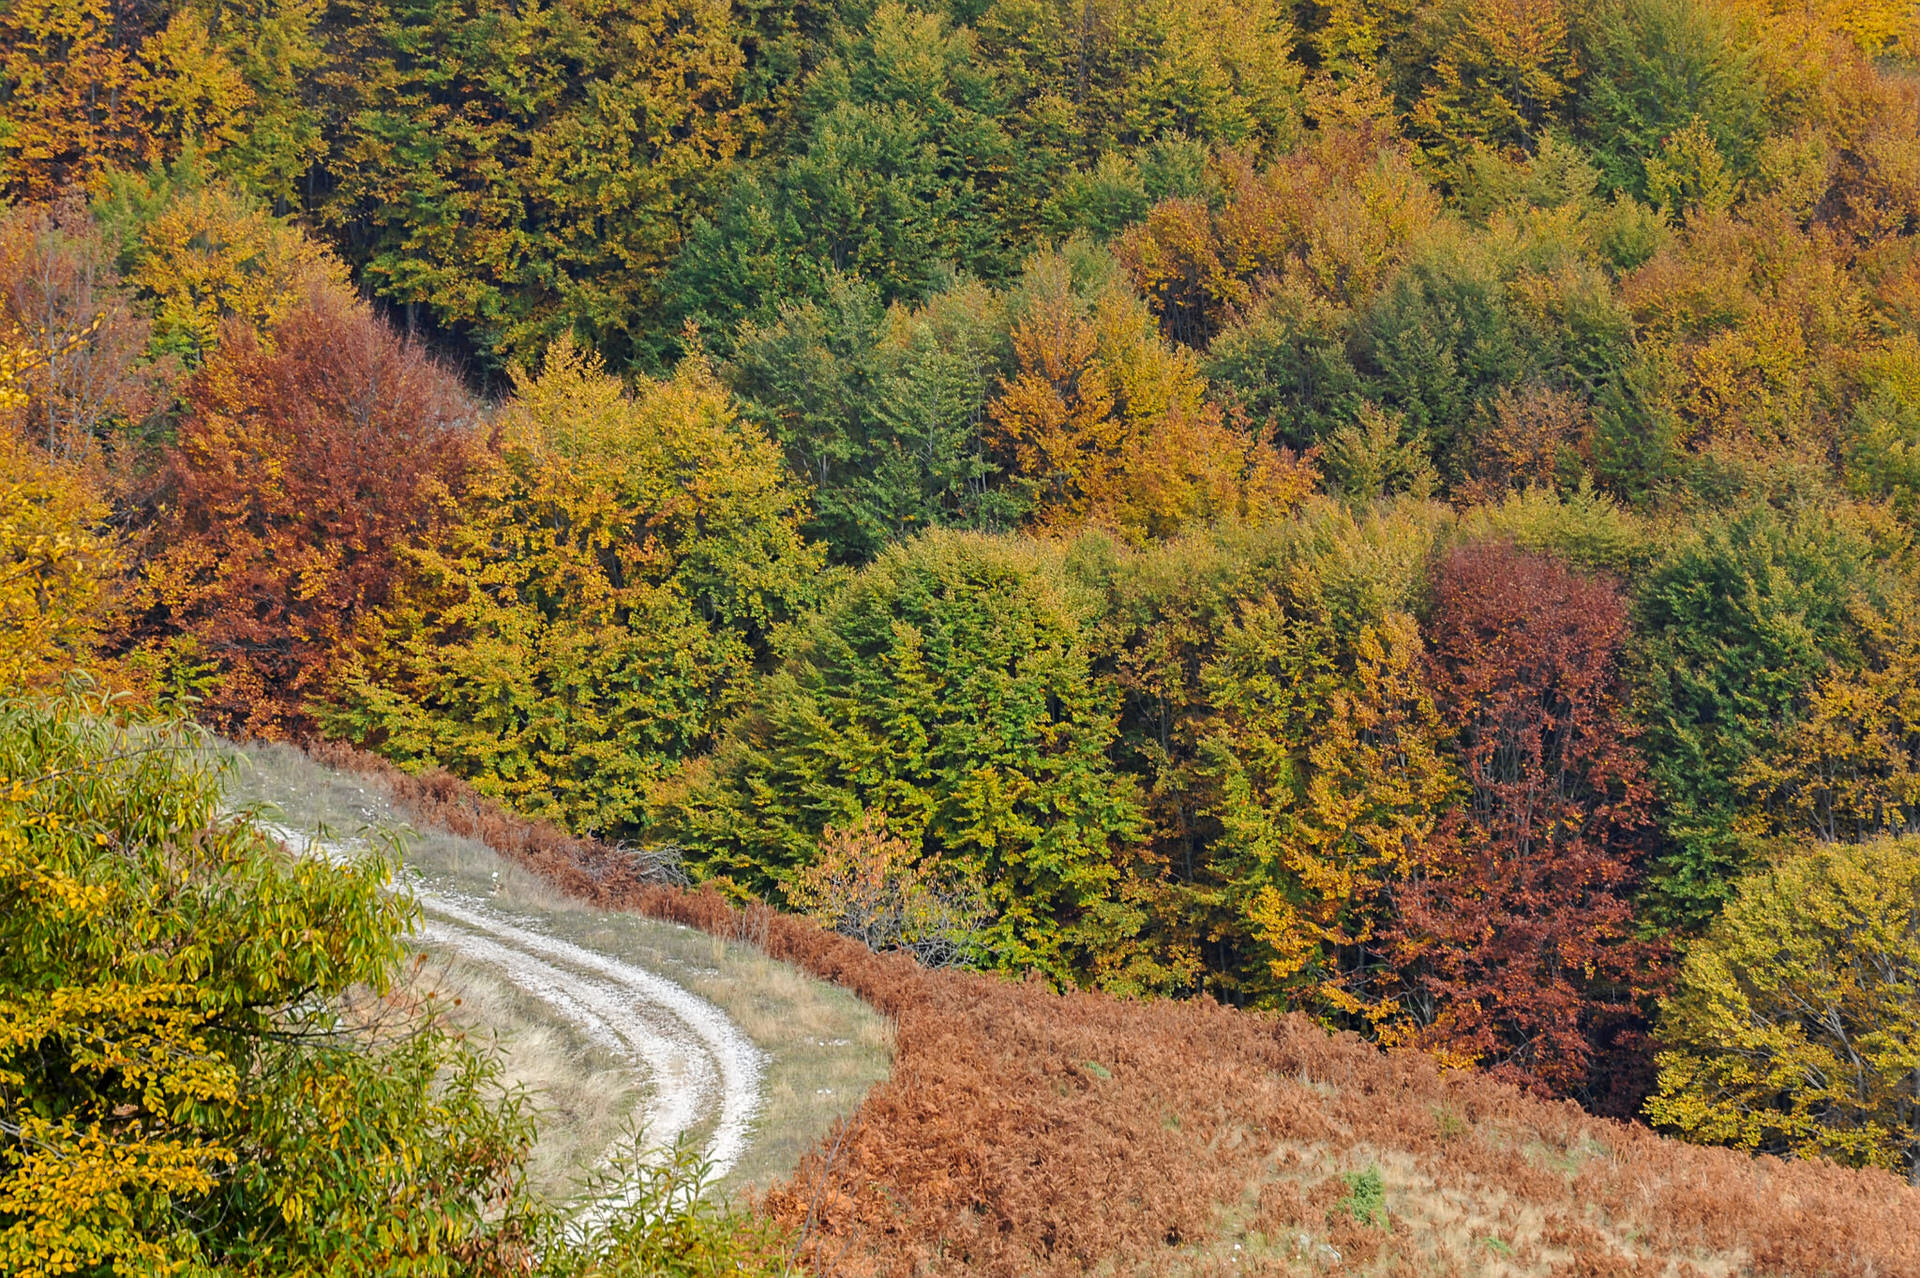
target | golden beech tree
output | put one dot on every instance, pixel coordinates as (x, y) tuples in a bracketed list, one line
[(1850, 769), (15, 359), (55, 566), (1332, 218), (85, 85), (1795, 1025), (1056, 420), (1104, 422), (1746, 325), (1526, 438), (214, 256), (1323, 768), (55, 562), (1195, 468), (602, 603), (68, 82), (1503, 72)]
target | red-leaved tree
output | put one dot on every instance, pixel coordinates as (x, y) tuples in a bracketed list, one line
[(1520, 946), (305, 467)]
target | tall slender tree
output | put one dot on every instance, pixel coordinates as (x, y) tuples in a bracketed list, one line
[(1521, 950)]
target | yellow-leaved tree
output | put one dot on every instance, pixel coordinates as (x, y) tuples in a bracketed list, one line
[(1850, 769), (600, 607), (55, 562), (1795, 1028), (212, 256), (1504, 70), (1324, 769), (206, 1066), (1105, 422)]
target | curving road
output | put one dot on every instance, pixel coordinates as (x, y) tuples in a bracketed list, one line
[(697, 1066)]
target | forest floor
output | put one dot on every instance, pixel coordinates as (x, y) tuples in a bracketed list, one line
[(622, 1028)]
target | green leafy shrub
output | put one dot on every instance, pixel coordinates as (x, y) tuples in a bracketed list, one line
[(207, 1058), (1366, 1199), (668, 1227)]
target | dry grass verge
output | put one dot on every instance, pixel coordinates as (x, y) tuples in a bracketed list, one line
[(1029, 1132)]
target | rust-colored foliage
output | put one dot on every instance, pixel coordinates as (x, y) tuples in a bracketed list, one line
[(307, 463), (1028, 1132), (1526, 438), (1521, 944)]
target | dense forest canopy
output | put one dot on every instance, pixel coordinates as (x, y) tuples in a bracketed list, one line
[(1400, 511)]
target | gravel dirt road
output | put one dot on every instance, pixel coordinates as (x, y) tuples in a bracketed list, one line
[(697, 1065), (614, 1023)]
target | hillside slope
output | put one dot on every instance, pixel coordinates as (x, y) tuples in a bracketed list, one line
[(1025, 1131)]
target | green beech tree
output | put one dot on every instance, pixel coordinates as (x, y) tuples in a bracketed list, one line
[(1653, 68), (881, 411), (948, 686), (1735, 626), (895, 173)]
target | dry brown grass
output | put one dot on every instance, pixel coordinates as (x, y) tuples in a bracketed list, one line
[(1030, 1132)]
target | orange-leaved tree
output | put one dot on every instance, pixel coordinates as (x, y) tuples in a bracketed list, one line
[(1057, 419), (307, 462), (86, 376), (1331, 219), (1104, 422), (1519, 948)]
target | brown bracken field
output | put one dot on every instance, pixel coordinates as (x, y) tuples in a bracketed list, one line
[(1026, 1131)]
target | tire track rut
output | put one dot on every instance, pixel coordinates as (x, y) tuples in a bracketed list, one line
[(696, 1064)]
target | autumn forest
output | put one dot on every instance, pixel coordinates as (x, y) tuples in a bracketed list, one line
[(1402, 513)]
